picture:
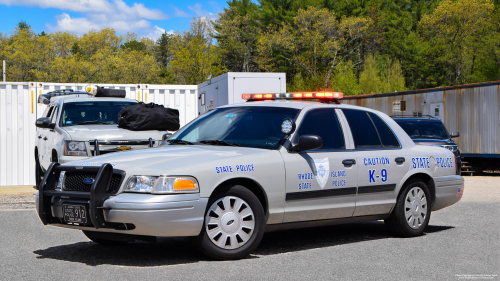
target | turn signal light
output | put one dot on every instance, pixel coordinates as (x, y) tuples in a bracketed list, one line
[(184, 185)]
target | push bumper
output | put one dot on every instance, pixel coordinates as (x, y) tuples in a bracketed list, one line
[(449, 190), (127, 213)]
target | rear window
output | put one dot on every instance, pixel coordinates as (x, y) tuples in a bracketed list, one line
[(417, 129), (369, 131)]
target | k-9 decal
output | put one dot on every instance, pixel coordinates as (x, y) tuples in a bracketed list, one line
[(374, 176)]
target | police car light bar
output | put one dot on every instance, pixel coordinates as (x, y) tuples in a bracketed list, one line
[(322, 96)]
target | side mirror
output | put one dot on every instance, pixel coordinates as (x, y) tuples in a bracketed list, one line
[(308, 142), (43, 122), (455, 134)]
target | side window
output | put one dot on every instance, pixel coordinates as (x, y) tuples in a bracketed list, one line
[(323, 123), (54, 115), (368, 131), (48, 111), (386, 136)]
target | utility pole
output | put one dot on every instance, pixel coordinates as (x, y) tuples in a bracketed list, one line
[(3, 70)]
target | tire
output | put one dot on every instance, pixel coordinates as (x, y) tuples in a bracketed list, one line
[(233, 226), (412, 211), (38, 172), (103, 242)]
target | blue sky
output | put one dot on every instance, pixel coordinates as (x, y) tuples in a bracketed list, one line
[(145, 17)]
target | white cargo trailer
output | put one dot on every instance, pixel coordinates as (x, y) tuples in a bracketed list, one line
[(228, 88)]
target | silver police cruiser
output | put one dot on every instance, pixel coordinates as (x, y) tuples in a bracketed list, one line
[(280, 161)]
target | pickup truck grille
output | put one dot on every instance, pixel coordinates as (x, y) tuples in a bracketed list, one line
[(73, 181), (106, 147)]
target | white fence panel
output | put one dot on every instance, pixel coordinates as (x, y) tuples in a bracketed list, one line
[(19, 110)]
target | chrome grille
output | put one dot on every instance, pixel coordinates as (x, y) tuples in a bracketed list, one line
[(73, 181)]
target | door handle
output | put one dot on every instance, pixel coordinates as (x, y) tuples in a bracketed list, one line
[(39, 137), (45, 138), (399, 160), (348, 162)]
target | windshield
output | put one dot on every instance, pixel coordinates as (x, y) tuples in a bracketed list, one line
[(94, 112), (258, 127), (428, 130)]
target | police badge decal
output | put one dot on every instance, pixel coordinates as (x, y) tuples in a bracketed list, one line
[(321, 171)]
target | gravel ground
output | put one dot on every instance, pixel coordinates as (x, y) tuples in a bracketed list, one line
[(17, 202), (461, 242)]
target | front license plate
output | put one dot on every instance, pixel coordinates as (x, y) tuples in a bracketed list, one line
[(75, 213)]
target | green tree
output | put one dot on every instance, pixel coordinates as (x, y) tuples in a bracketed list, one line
[(453, 31), (163, 49), (344, 79), (237, 32)]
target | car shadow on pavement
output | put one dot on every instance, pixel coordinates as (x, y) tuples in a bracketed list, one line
[(176, 251), (286, 241)]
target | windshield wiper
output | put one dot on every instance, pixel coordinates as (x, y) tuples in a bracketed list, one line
[(219, 142), (91, 122), (178, 141)]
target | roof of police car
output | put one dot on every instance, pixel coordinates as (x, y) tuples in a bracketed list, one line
[(298, 104)]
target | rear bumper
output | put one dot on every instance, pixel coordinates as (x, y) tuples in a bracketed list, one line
[(151, 215), (449, 190)]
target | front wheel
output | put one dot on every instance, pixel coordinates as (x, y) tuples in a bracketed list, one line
[(412, 211), (233, 226)]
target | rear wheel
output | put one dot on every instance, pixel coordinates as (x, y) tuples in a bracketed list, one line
[(234, 224), (412, 211), (97, 237)]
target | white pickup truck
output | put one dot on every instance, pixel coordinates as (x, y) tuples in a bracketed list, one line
[(73, 122)]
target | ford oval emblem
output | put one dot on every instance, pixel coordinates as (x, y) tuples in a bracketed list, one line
[(88, 181)]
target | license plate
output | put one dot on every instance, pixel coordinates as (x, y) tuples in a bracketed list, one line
[(75, 213)]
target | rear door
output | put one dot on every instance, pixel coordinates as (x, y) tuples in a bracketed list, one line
[(380, 159), (318, 184)]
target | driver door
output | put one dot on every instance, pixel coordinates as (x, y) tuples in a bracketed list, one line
[(321, 183)]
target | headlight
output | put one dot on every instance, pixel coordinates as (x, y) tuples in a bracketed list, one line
[(452, 148), (75, 148), (162, 185)]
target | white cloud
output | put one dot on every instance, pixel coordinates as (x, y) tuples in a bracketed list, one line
[(99, 14), (200, 12), (157, 32), (71, 5), (98, 21), (180, 13)]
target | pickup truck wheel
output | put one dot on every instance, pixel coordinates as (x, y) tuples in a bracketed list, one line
[(412, 211), (38, 172), (103, 242), (233, 226)]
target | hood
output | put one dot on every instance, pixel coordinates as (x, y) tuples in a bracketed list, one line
[(170, 158), (434, 142), (108, 132)]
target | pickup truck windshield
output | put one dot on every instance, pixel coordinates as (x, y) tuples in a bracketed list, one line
[(257, 127), (424, 130), (95, 112)]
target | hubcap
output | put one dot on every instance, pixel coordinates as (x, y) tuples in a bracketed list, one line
[(415, 207), (229, 222)]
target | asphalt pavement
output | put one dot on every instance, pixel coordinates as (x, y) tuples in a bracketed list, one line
[(460, 243)]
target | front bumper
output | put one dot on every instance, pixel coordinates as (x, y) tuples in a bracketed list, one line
[(449, 190), (66, 159), (126, 213)]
